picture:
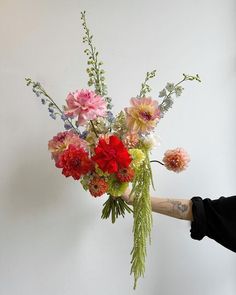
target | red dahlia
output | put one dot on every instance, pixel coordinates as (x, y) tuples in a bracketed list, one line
[(111, 155), (98, 186), (74, 162), (125, 174)]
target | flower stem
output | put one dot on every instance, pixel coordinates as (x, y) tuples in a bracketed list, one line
[(186, 78), (40, 90), (145, 88), (156, 161), (167, 96), (115, 207), (94, 129)]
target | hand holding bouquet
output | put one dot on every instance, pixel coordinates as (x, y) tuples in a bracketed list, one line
[(105, 152)]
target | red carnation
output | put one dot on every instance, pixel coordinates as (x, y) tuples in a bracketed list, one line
[(98, 187), (125, 174), (111, 155), (74, 162)]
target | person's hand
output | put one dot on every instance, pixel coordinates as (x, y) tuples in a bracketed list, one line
[(127, 198)]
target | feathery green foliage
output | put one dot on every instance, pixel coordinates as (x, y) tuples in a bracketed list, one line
[(142, 218)]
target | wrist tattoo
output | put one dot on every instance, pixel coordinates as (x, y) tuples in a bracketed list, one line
[(178, 206)]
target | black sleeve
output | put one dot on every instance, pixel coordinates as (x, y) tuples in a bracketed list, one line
[(215, 219)]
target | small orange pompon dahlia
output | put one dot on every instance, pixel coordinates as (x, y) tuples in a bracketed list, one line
[(97, 187), (125, 174)]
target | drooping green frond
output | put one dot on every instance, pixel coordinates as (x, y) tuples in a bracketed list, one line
[(142, 218)]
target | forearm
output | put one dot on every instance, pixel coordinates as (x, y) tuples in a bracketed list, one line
[(178, 208)]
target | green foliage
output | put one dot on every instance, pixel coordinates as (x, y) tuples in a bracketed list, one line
[(142, 218), (119, 126), (85, 182)]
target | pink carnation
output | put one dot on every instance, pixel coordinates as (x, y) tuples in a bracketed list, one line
[(85, 104), (62, 140), (176, 160)]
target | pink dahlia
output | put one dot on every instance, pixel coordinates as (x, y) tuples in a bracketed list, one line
[(62, 140), (143, 114), (86, 105), (176, 160)]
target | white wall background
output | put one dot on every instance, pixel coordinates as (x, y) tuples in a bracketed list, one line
[(52, 240)]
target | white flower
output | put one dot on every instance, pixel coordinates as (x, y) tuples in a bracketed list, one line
[(151, 141)]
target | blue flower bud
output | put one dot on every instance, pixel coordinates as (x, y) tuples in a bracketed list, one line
[(53, 116), (67, 126), (37, 93), (84, 134), (110, 116), (63, 117)]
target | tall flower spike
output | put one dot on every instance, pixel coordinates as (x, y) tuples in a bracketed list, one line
[(94, 70)]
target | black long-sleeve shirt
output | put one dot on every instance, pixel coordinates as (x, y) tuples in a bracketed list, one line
[(215, 219)]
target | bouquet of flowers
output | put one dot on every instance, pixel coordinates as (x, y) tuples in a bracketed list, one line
[(107, 152)]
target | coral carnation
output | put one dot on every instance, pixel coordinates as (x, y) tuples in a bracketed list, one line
[(176, 160), (143, 115), (62, 140), (86, 105), (74, 162), (111, 155), (97, 187), (125, 174)]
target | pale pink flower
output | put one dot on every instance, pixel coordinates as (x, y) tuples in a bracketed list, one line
[(86, 105), (143, 114), (176, 160), (61, 142)]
